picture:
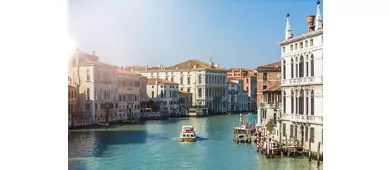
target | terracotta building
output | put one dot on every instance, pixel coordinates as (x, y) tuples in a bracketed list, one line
[(250, 86), (268, 76)]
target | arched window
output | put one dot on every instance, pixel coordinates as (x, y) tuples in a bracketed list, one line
[(200, 92), (189, 80), (166, 78), (301, 65), (312, 102), (161, 94), (172, 79), (70, 95), (296, 68), (200, 79), (307, 102), (292, 102), (284, 102), (88, 75), (88, 94), (301, 104), (181, 80), (307, 67), (312, 65), (284, 69), (292, 68)]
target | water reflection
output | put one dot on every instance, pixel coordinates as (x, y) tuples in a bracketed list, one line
[(155, 145)]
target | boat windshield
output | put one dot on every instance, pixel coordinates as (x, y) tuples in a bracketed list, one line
[(185, 128)]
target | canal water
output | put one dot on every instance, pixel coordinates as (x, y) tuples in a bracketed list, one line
[(155, 145)]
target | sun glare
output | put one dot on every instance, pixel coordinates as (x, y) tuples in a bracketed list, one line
[(71, 46)]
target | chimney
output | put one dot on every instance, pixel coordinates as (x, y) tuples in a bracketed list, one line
[(310, 22), (93, 53)]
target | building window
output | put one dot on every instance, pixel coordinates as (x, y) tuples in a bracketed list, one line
[(181, 80), (312, 102), (284, 49), (296, 104), (284, 102), (200, 79), (301, 65), (88, 94), (322, 39), (311, 42), (161, 94), (296, 132), (265, 76), (291, 131), (301, 103), (88, 75), (312, 65), (200, 92), (284, 130), (292, 68), (188, 90), (307, 69), (172, 79), (284, 69), (292, 102), (264, 87), (311, 135), (306, 134), (291, 48), (166, 78), (189, 80), (296, 68), (307, 105), (301, 45), (306, 43), (296, 46)]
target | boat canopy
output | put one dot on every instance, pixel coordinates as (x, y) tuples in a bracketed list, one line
[(185, 128)]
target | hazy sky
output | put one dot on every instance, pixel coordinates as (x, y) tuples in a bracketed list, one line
[(235, 33)]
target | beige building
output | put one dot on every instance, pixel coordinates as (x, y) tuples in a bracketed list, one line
[(97, 87), (72, 104), (129, 96), (166, 93), (207, 82)]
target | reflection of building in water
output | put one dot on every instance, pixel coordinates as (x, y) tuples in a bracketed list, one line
[(82, 144)]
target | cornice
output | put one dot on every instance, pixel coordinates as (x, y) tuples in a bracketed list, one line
[(301, 37)]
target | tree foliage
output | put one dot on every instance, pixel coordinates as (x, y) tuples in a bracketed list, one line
[(270, 126)]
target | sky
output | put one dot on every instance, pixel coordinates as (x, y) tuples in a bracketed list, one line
[(234, 33)]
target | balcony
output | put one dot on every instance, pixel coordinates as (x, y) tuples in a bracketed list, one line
[(303, 81), (303, 118)]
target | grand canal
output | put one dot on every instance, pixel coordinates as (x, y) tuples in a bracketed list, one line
[(155, 145)]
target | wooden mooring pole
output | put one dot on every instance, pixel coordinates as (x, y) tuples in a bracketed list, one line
[(309, 150), (318, 154)]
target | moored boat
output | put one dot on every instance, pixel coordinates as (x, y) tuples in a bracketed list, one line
[(187, 134)]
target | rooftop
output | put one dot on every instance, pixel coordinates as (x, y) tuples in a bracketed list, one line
[(272, 65), (152, 81)]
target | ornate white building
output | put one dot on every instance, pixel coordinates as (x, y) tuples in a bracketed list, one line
[(302, 84), (207, 82)]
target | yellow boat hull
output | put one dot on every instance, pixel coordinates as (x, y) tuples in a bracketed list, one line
[(187, 139)]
